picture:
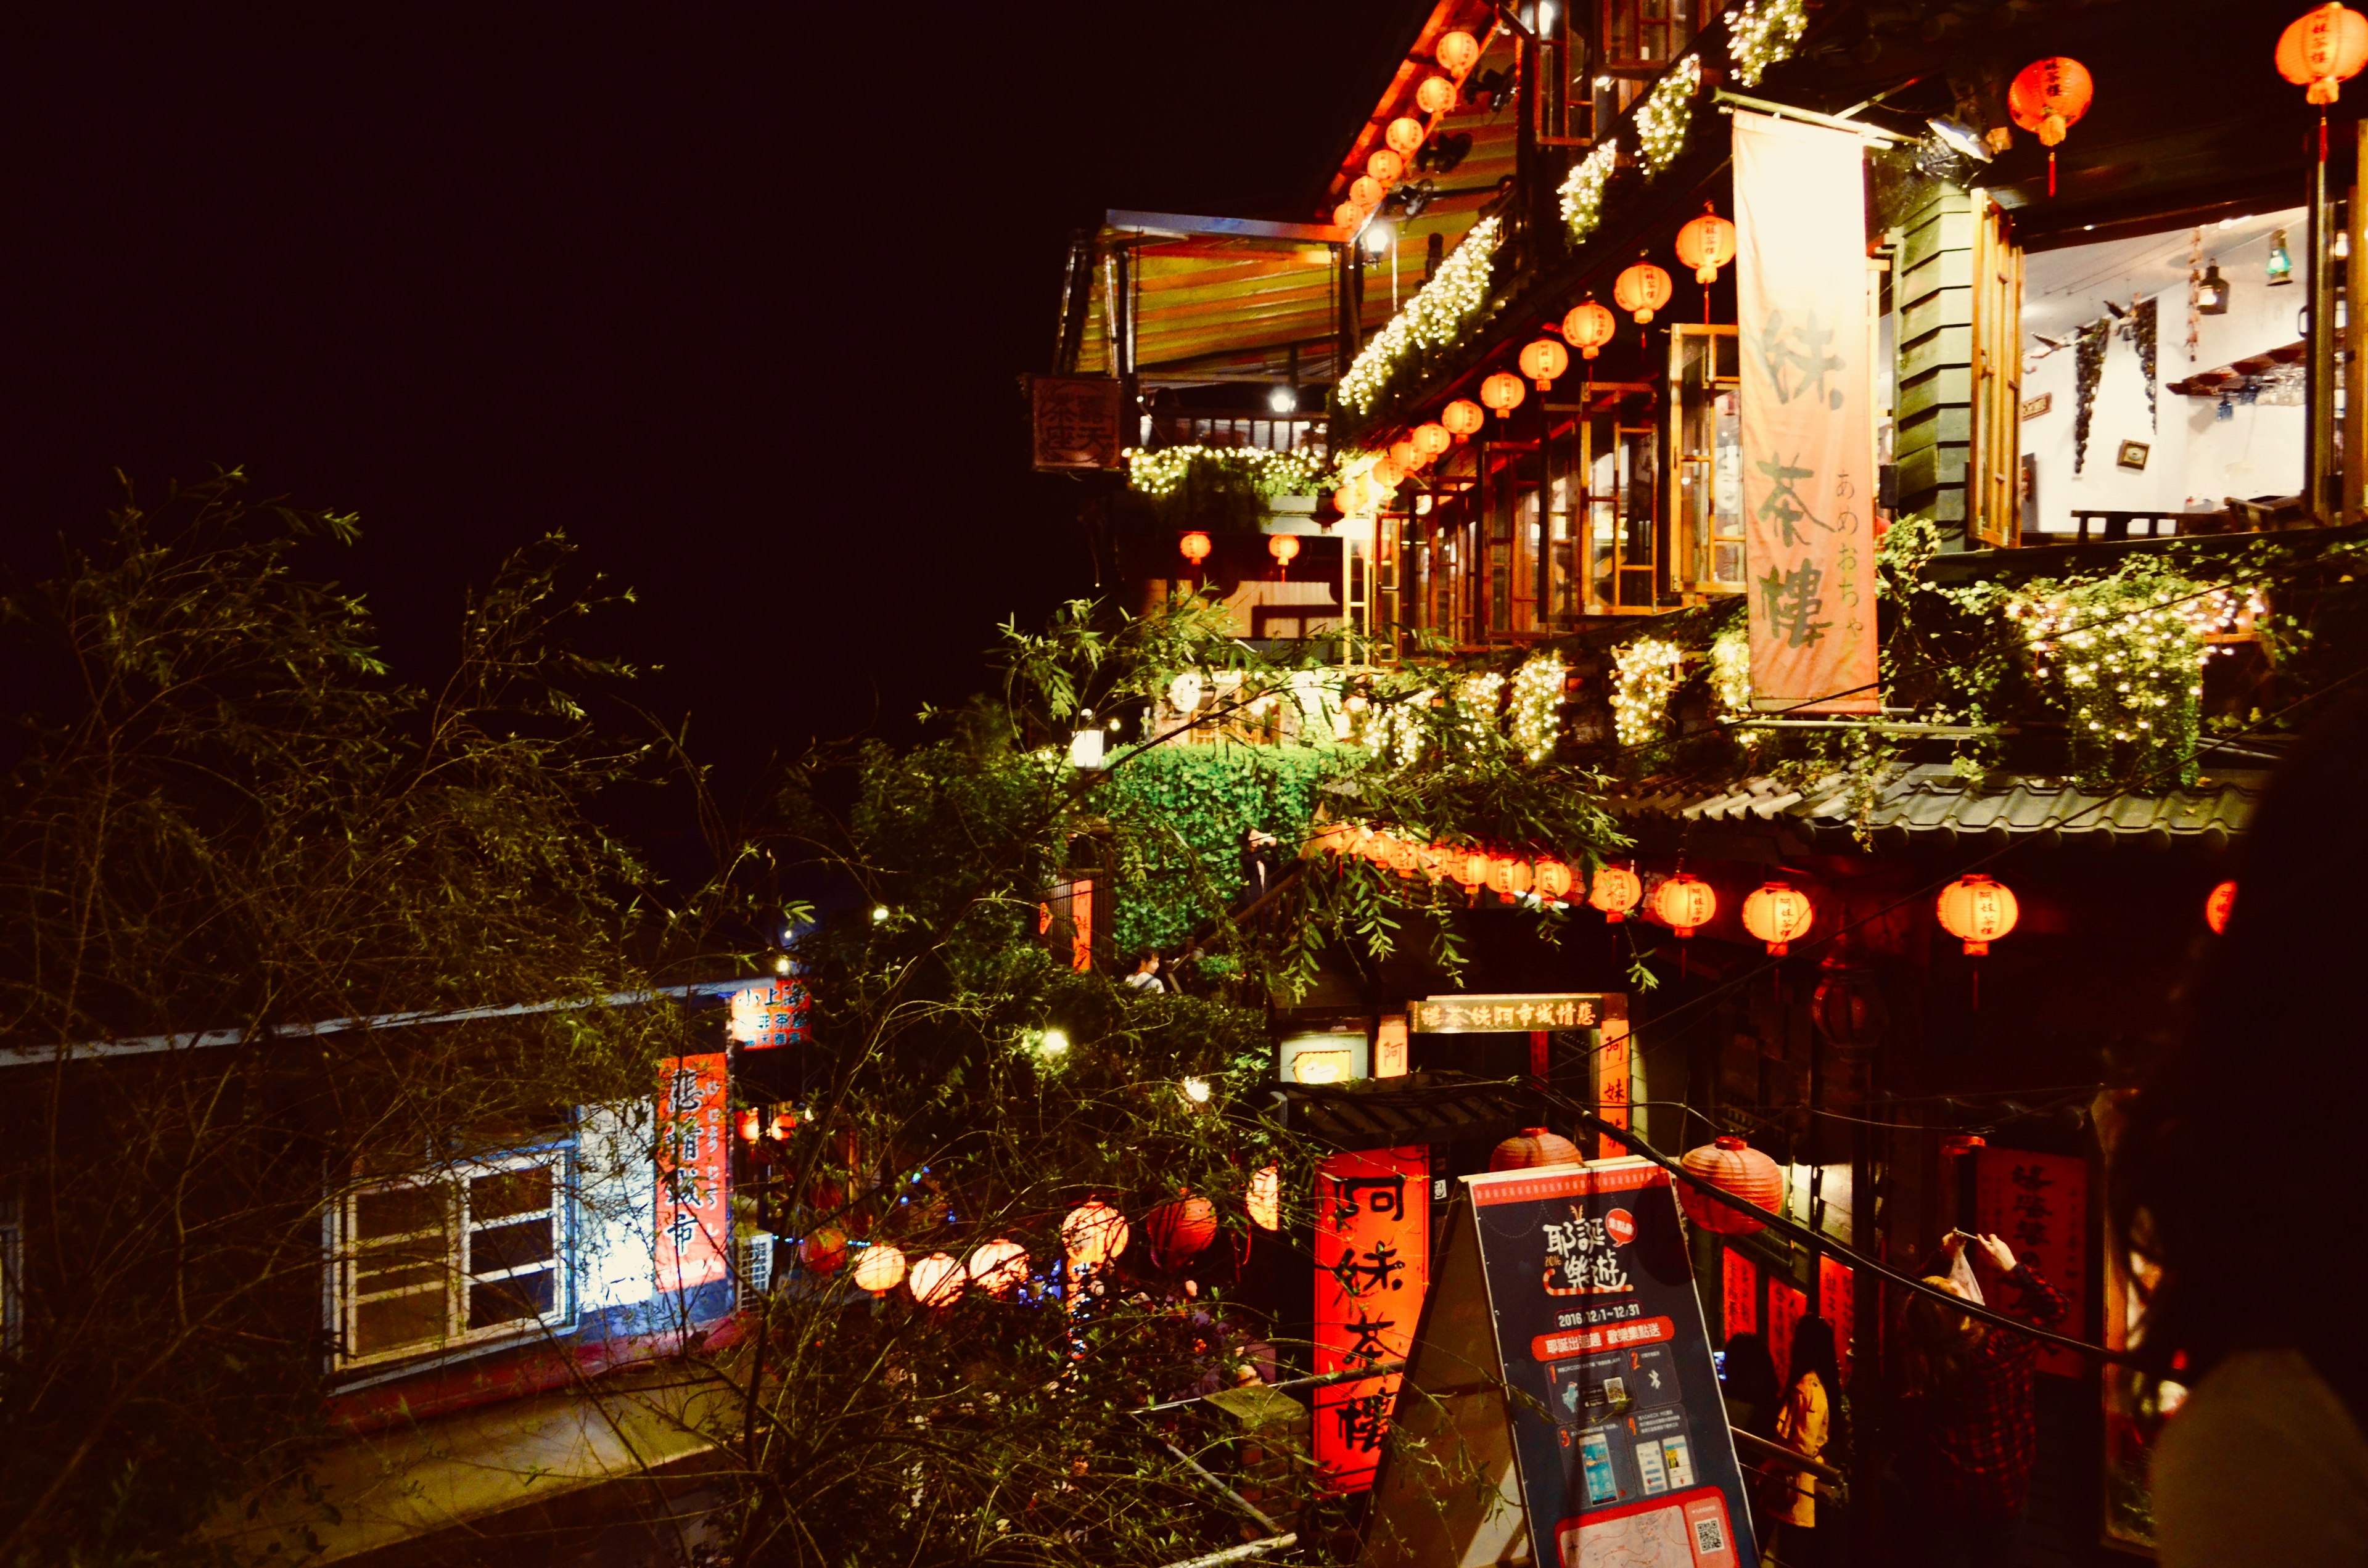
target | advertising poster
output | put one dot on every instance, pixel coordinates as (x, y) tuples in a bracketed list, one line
[(771, 1015), (1372, 1269), (2038, 1204), (1619, 1431), (694, 1208)]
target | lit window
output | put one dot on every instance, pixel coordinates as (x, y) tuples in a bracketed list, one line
[(436, 1262)]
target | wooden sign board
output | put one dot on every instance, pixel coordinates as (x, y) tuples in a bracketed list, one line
[(1076, 422)]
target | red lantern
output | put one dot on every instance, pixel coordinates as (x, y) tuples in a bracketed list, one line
[(1543, 361), (1533, 1146), (1706, 244), (1385, 166), (1780, 915), (1366, 192), (1588, 328), (1685, 903), (1093, 1233), (936, 1280), (1347, 215), (1458, 51), (1616, 891), (1386, 473), (998, 1268), (1503, 392), (1431, 440), (2324, 47), (1195, 547), (1976, 911), (1641, 291), (880, 1269), (1436, 96), (1182, 1231), (1469, 867), (1553, 880), (2049, 96), (1509, 876), (1407, 455), (2218, 906), (1285, 548), (1403, 856), (823, 1252), (1462, 418), (751, 1124), (1735, 1167)]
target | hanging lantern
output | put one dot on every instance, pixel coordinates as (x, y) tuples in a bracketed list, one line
[(1407, 455), (785, 1121), (1385, 166), (2324, 47), (823, 1252), (997, 1267), (1353, 497), (1684, 904), (751, 1124), (1469, 867), (1194, 547), (1386, 472), (1431, 440), (1976, 911), (1733, 1166), (1462, 418), (1093, 1233), (1780, 915), (2049, 96), (1366, 192), (1405, 856), (1436, 96), (2218, 906), (1553, 880), (1543, 361), (1458, 51), (1285, 548), (1349, 215), (1180, 1230), (1588, 328), (1706, 244), (1503, 392), (1641, 291), (881, 1268), (936, 1280), (1509, 876), (1848, 1010), (1616, 891), (1533, 1146), (1263, 1202)]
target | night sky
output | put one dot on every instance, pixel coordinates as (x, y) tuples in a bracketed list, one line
[(738, 300)]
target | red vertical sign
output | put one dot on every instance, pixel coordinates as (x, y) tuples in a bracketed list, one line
[(1739, 1291), (694, 1207), (1786, 1306), (1372, 1264), (2038, 1204), (1612, 1076), (1837, 1306)]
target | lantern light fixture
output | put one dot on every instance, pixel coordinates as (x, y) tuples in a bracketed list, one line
[(1733, 1166), (1377, 237), (1616, 891), (2048, 98), (997, 1267), (2281, 263), (1347, 215), (1436, 96), (1533, 1147), (1093, 1233), (2323, 47), (935, 1280), (2212, 292), (1366, 191), (1431, 440), (1195, 547), (1503, 392), (1284, 400), (1285, 548), (1641, 289), (1977, 911), (1385, 166), (1263, 1200), (1685, 903), (1706, 243), (1588, 328), (2218, 906), (1458, 52), (881, 1268), (1462, 418), (1779, 914), (1543, 361)]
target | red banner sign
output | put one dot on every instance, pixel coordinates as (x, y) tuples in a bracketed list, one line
[(1373, 1266), (694, 1200), (2038, 1204), (1835, 1304), (1739, 1291)]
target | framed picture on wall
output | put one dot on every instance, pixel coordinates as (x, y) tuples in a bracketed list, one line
[(2134, 454)]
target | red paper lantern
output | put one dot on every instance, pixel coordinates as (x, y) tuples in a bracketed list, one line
[(1616, 891), (751, 1124), (2049, 96), (1543, 361), (1588, 328), (1386, 473), (1349, 215), (1431, 440), (1458, 51), (1385, 166), (2218, 906), (1468, 867), (1508, 875), (1503, 392), (1403, 856), (1182, 1231), (1706, 244), (1685, 903), (1285, 548), (1407, 455), (1779, 914), (1194, 547), (823, 1252), (2324, 47), (1733, 1166), (1533, 1146), (881, 1268), (1976, 911), (1641, 291), (1462, 418), (1553, 880), (1436, 96), (936, 1280), (997, 1267), (1366, 191), (1093, 1233)]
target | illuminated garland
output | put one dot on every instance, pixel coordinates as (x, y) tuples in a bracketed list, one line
[(1762, 33), (1432, 319), (1668, 114), (1646, 675), (1401, 727), (1476, 705), (1730, 672), (1537, 705), (1275, 473), (1582, 190)]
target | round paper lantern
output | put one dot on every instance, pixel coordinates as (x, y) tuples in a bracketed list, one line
[(1407, 456), (2324, 47), (1503, 392), (1094, 1233), (1194, 547), (1462, 418), (2050, 95), (1458, 51), (1263, 1200), (1733, 1166), (1588, 328), (1349, 215), (998, 1268), (2218, 906), (1436, 96), (1641, 291), (1706, 244), (881, 1268), (1976, 911), (1385, 166), (1543, 361), (1553, 880), (1353, 497), (1366, 191), (1386, 473), (936, 1280), (751, 1124), (1684, 904), (1779, 914), (1431, 440), (1508, 875), (823, 1252), (1848, 1010), (1616, 891), (1403, 135), (1285, 548), (1403, 856), (1533, 1146), (1180, 1230), (1468, 867)]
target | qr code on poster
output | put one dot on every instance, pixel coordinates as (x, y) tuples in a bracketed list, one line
[(1710, 1535)]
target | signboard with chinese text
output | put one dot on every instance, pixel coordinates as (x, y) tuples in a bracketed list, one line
[(1506, 1015), (1078, 421), (1372, 1267), (2038, 1204), (1835, 1304), (771, 1014), (1808, 429), (1738, 1291), (1614, 1067), (694, 1205), (1787, 1306)]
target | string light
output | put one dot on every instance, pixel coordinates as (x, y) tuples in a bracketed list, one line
[(1275, 473), (1432, 319), (1730, 671), (1668, 114), (1762, 33), (1582, 190), (1647, 673), (1475, 704), (1537, 705)]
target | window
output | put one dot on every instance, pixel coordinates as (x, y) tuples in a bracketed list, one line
[(433, 1262)]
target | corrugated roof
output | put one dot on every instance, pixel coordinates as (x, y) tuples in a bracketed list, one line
[(1426, 1108)]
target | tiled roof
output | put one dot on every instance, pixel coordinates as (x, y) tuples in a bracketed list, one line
[(1933, 799), (1377, 1113)]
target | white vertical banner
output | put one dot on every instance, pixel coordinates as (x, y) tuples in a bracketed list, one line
[(1808, 432)]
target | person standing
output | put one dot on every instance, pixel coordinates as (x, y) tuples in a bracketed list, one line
[(1805, 1424)]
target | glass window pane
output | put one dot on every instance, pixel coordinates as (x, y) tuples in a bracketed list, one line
[(399, 1212), (496, 1247), (509, 1192), (397, 1321), (509, 1300)]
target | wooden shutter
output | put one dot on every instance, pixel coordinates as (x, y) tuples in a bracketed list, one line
[(1998, 380)]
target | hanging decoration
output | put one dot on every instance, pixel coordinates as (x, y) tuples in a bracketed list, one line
[(1461, 418), (1162, 471), (1285, 548), (1582, 190), (1366, 192), (1615, 891), (881, 1268), (1432, 441), (823, 1252), (1706, 243), (1667, 114), (1588, 328), (1779, 914), (1436, 96), (1508, 876), (1458, 52), (2142, 326), (1977, 911), (2090, 342), (1469, 867), (1645, 675), (997, 1267), (2049, 96), (1263, 1201), (1685, 903), (1530, 1148), (1641, 289), (2218, 906), (936, 1280), (2325, 47), (1763, 33), (1194, 547), (1403, 136), (1543, 361), (1385, 166), (1093, 1233), (1432, 319), (1537, 705), (1735, 1167), (1182, 1231), (1347, 215), (1408, 457), (1730, 672), (1553, 880), (1503, 391)]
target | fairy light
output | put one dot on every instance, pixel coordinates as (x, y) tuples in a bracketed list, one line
[(1476, 697), (2132, 675), (1432, 319), (1582, 190), (1401, 727), (1668, 114), (1645, 674), (1730, 671), (1537, 705), (1762, 33), (1296, 473)]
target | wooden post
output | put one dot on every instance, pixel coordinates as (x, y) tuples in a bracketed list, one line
[(2355, 359)]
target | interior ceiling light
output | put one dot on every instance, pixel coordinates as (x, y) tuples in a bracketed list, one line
[(1959, 138)]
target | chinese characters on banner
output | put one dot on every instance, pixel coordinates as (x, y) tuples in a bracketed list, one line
[(2038, 1204), (1835, 1305), (1787, 1306), (1372, 1264), (1076, 421), (1808, 432), (1506, 1015), (694, 1208), (769, 1016), (1614, 1067), (1738, 1291)]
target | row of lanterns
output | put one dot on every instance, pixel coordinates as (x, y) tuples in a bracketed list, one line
[(1728, 1163), (1456, 53)]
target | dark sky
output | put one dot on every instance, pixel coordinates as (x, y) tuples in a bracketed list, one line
[(738, 299)]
